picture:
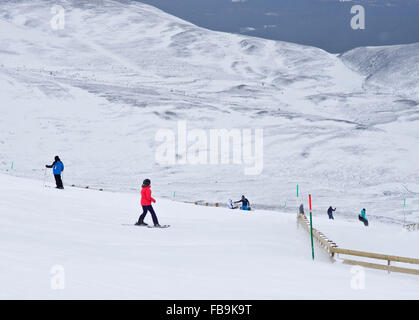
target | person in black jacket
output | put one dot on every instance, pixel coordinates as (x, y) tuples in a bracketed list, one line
[(301, 209), (330, 212)]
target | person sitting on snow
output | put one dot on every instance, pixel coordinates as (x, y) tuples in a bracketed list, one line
[(230, 204), (245, 203)]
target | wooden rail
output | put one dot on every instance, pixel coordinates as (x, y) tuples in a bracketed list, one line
[(381, 266), (333, 249), (375, 256), (412, 226)]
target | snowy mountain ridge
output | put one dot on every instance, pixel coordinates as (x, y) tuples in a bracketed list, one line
[(395, 67)]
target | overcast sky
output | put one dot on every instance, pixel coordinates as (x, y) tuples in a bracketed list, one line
[(321, 23)]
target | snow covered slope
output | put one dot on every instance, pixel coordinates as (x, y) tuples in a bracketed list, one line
[(97, 92), (395, 68), (76, 240)]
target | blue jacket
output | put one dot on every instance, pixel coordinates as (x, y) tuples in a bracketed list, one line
[(244, 201), (58, 167)]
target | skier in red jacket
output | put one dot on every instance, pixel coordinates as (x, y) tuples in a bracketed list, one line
[(146, 200)]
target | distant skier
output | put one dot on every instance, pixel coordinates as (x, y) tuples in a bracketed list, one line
[(363, 218), (245, 203), (330, 212), (301, 209), (57, 168), (230, 204), (146, 201)]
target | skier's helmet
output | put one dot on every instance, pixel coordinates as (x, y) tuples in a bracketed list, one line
[(146, 182)]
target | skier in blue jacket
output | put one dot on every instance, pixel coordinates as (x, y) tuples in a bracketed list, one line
[(245, 203), (57, 168)]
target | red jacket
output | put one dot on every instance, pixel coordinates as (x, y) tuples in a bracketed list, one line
[(146, 198)]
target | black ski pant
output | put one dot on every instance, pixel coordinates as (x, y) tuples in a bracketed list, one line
[(330, 216), (365, 221), (153, 214), (58, 181)]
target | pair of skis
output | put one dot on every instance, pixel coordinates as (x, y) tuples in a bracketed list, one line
[(164, 226)]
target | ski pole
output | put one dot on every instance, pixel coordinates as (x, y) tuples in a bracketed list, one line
[(45, 177)]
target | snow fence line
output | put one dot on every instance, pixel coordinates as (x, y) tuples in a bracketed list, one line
[(332, 249), (411, 226), (209, 204)]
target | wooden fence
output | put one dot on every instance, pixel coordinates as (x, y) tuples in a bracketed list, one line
[(332, 248), (321, 239), (208, 204), (412, 226)]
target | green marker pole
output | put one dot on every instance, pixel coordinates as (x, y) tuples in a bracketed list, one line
[(12, 165), (311, 228), (296, 200)]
